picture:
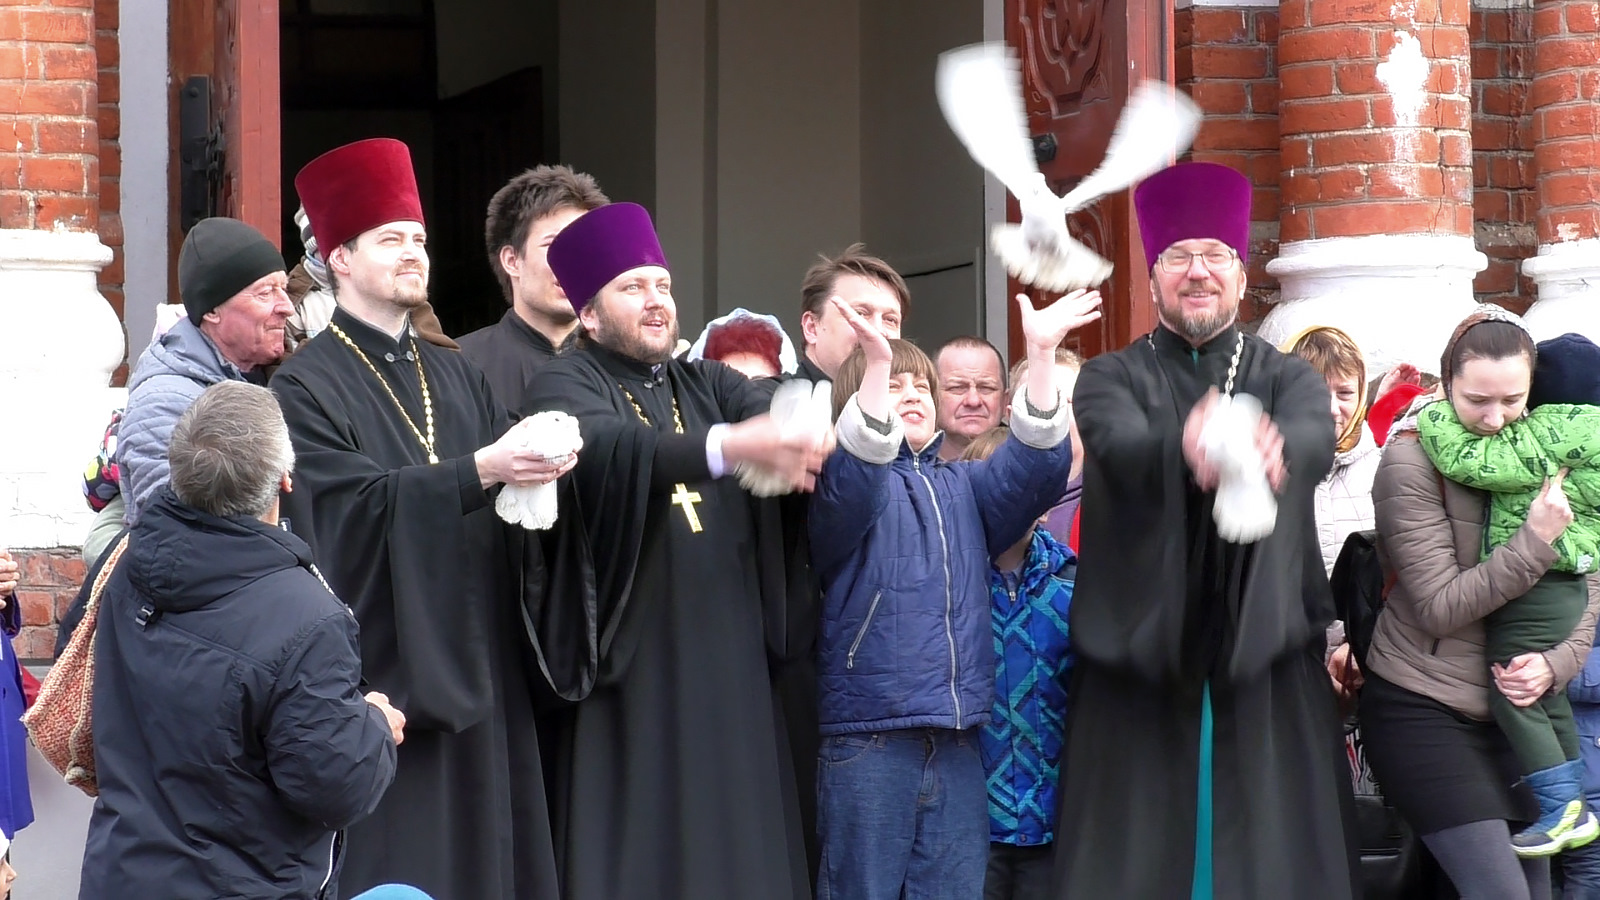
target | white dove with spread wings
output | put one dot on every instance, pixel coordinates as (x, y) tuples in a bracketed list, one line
[(980, 92)]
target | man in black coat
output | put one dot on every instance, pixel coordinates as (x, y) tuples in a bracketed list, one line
[(231, 736)]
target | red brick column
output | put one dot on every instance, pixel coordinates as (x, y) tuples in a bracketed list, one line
[(1566, 153), (1374, 118), (1375, 144), (48, 105)]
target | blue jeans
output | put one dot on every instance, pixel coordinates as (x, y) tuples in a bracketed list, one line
[(902, 815), (392, 892)]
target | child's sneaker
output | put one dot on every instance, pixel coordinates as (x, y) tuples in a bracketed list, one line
[(1564, 819)]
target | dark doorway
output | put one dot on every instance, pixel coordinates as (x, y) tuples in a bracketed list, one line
[(355, 69)]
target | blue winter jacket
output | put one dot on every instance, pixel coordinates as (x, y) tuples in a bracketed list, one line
[(170, 375), (901, 543)]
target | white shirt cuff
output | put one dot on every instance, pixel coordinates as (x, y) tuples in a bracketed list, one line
[(714, 439)]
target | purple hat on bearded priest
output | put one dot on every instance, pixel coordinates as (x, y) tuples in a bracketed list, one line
[(600, 245), (1192, 201)]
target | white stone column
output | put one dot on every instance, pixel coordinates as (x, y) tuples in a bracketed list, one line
[(1398, 296), (59, 344), (1566, 278)]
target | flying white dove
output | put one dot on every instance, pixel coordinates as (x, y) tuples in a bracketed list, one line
[(554, 435), (980, 91), (1245, 509), (799, 407)]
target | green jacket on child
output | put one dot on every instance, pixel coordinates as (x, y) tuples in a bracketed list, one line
[(1512, 466)]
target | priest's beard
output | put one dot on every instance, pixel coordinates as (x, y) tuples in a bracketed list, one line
[(629, 339), (1201, 325), (406, 294)]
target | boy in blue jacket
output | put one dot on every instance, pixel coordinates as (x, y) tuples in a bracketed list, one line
[(1030, 593), (901, 543)]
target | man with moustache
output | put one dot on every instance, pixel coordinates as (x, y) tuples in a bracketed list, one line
[(672, 780), (972, 389), (398, 444), (524, 217), (1204, 756)]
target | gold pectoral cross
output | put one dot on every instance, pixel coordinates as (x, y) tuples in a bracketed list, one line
[(687, 499)]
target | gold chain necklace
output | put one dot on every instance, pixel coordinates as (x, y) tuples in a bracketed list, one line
[(422, 378), (681, 495)]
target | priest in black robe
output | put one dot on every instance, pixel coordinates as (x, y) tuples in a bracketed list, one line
[(672, 779), (1204, 754), (524, 216), (397, 444)]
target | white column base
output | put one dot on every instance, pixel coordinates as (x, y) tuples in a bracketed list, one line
[(1397, 296), (1566, 277), (59, 344)]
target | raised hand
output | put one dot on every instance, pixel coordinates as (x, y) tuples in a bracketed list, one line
[(1045, 329), (874, 343), (1404, 373)]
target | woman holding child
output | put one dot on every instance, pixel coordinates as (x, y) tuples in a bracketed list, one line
[(1431, 740)]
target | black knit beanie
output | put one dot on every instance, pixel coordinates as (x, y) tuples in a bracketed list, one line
[(1568, 371), (220, 258)]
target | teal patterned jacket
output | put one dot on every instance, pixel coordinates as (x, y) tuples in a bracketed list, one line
[(1512, 466), (1022, 743)]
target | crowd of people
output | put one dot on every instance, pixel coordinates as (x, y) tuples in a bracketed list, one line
[(327, 666)]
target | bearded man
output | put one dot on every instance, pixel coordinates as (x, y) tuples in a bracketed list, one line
[(399, 444), (1204, 755), (673, 777)]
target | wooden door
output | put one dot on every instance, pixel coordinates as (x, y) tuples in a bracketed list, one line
[(234, 43), (1079, 59)]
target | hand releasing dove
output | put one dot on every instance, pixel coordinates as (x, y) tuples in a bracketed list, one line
[(1245, 509), (980, 92), (554, 435), (799, 407)]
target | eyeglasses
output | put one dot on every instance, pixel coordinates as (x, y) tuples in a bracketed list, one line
[(1176, 261)]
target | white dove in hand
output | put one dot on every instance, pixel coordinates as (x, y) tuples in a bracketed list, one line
[(980, 91), (1245, 509), (799, 407), (554, 435)]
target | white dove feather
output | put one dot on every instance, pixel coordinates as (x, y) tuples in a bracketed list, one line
[(979, 88)]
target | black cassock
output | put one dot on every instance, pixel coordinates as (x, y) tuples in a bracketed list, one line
[(673, 778), (1163, 607), (432, 574), (509, 352)]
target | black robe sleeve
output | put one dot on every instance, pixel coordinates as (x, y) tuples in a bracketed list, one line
[(1132, 601)]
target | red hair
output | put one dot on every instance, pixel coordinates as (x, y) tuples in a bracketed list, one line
[(745, 335)]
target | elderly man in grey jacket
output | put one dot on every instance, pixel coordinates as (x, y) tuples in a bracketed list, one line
[(232, 281)]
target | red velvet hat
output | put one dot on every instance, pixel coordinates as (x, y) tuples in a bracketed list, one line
[(356, 188), (600, 245), (1193, 200)]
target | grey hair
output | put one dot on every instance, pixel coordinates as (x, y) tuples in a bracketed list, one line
[(230, 451)]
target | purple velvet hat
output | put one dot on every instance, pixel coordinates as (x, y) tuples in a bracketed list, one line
[(1193, 200), (600, 245)]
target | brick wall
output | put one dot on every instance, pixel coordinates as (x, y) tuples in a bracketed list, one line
[(49, 167), (1504, 200), (47, 583), (1226, 60)]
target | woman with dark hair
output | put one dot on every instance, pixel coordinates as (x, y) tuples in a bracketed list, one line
[(1431, 741)]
